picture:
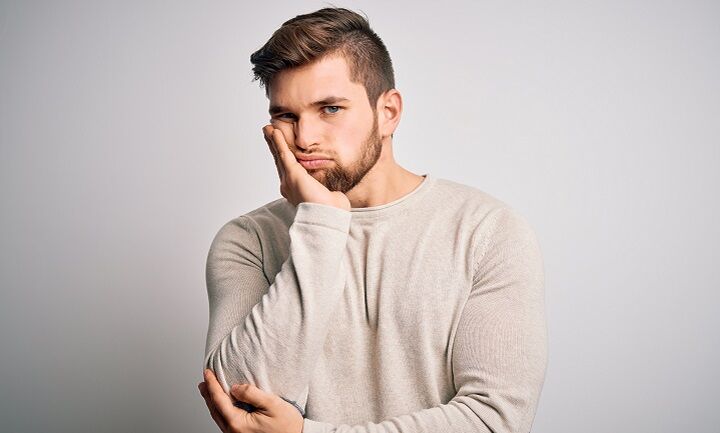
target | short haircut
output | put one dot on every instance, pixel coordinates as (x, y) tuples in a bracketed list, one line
[(326, 32)]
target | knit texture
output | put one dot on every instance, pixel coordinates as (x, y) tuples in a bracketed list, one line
[(425, 314)]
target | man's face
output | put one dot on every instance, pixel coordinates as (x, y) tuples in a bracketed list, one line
[(322, 114)]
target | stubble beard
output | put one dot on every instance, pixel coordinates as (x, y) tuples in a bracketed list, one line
[(343, 179)]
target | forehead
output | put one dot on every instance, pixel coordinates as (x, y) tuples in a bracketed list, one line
[(305, 84)]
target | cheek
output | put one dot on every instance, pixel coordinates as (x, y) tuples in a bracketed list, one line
[(355, 138), (349, 145)]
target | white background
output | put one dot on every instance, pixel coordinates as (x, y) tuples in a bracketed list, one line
[(130, 132)]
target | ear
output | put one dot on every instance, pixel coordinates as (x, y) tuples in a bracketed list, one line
[(389, 110)]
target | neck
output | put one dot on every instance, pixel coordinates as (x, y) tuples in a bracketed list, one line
[(385, 182)]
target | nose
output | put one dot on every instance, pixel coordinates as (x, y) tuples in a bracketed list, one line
[(307, 133)]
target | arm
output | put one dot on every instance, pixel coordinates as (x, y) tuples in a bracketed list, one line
[(270, 335), (499, 352)]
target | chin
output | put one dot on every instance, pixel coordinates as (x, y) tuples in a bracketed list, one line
[(317, 174)]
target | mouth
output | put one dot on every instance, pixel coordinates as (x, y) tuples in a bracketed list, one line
[(313, 163)]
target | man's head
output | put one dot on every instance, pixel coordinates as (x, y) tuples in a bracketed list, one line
[(309, 37), (330, 53)]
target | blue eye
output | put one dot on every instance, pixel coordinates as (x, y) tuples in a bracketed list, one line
[(333, 106)]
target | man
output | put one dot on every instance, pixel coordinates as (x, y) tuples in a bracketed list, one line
[(368, 298)]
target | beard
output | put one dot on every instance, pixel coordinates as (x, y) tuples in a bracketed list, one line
[(342, 178)]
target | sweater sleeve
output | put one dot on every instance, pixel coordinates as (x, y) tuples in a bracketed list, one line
[(499, 353), (265, 334)]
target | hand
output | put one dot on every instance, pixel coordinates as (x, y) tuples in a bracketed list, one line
[(296, 184), (273, 414)]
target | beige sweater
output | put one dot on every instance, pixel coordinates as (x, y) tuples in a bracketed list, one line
[(425, 314)]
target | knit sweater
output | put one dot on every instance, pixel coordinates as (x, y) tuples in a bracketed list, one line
[(424, 314)]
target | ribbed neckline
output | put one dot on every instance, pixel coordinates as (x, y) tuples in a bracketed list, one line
[(395, 205)]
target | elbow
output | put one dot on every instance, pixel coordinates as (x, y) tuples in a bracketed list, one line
[(501, 412), (213, 362)]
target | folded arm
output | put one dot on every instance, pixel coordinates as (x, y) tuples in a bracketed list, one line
[(270, 335), (499, 352)]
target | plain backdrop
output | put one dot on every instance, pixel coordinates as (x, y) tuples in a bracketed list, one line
[(130, 132)]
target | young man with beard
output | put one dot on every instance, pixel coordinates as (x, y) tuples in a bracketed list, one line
[(368, 298)]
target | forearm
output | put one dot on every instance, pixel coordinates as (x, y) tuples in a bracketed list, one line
[(467, 414), (499, 367), (499, 352), (277, 343)]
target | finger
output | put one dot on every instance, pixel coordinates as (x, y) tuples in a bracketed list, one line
[(286, 156), (268, 134), (273, 151), (252, 394), (222, 401), (216, 416)]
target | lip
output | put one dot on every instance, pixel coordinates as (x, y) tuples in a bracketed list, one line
[(310, 158), (313, 163)]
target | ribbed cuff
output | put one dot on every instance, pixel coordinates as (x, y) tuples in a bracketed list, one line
[(302, 412), (323, 215)]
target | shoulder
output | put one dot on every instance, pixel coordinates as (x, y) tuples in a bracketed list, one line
[(497, 227), (475, 208), (271, 216), (507, 251), (251, 229)]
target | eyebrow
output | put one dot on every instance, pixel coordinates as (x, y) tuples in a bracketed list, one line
[(328, 100)]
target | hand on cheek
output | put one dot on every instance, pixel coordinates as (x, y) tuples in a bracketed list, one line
[(296, 184), (288, 130)]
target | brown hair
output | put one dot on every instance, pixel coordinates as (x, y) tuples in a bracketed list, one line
[(328, 31)]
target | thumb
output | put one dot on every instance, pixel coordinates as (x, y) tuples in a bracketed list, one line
[(249, 393)]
